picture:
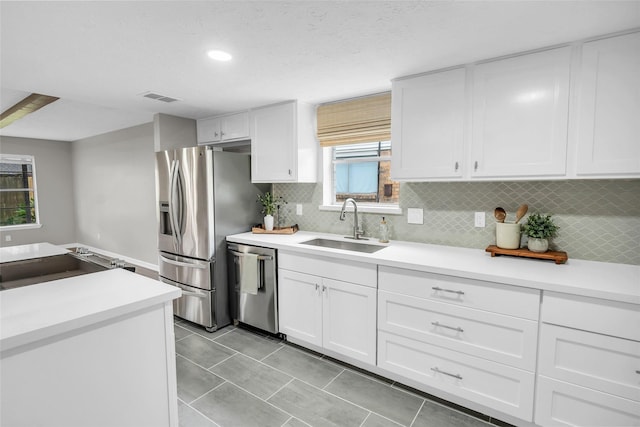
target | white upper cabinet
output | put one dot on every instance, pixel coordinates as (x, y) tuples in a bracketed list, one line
[(520, 110), (608, 113), (283, 146), (220, 129), (427, 126)]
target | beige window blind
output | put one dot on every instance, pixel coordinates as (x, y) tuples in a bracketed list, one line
[(366, 119)]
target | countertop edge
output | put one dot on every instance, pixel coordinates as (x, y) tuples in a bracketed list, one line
[(507, 270), (31, 334)]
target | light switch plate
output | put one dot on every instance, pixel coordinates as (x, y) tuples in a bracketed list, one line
[(415, 216), (479, 220)]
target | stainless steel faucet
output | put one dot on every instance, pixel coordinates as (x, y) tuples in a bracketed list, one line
[(357, 232)]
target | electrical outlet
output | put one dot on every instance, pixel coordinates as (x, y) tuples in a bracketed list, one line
[(415, 216), (298, 209), (7, 237), (479, 220)]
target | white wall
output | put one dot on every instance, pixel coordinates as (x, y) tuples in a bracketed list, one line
[(114, 191), (173, 132), (54, 187)]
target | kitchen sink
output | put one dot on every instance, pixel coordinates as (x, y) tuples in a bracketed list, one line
[(344, 245), (29, 272)]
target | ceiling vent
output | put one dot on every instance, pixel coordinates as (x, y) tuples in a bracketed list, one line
[(159, 97)]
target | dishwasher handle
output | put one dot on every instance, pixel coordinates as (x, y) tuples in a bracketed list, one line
[(260, 257), (261, 273)]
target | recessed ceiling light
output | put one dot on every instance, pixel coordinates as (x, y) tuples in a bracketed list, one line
[(219, 55)]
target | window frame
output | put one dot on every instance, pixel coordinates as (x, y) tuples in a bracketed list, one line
[(24, 159), (328, 190)]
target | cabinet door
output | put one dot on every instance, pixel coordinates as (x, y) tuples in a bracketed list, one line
[(562, 404), (208, 130), (349, 320), (300, 306), (273, 153), (520, 113), (235, 126), (427, 126), (596, 361), (608, 129)]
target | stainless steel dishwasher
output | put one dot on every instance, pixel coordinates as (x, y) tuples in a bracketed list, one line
[(253, 287)]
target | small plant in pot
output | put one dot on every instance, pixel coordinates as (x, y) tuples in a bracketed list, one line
[(539, 229), (268, 203)]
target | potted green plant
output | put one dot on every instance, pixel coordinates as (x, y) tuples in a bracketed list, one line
[(539, 229), (268, 208)]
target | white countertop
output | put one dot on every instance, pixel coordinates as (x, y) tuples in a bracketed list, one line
[(35, 250), (37, 312), (617, 282)]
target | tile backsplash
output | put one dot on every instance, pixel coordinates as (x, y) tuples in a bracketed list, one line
[(599, 219)]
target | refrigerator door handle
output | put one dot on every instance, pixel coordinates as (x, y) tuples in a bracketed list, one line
[(183, 264), (175, 165)]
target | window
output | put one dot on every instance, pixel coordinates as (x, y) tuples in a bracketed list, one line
[(362, 172), (18, 202)]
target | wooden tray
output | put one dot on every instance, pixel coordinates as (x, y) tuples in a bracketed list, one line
[(259, 229), (557, 257)]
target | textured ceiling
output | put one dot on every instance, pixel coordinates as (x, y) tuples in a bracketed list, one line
[(98, 57)]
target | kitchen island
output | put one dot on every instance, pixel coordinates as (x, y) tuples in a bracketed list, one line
[(96, 349)]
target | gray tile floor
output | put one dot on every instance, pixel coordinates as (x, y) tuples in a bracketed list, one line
[(239, 378)]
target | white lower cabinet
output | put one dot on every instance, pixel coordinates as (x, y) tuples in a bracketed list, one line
[(472, 339), (589, 362), (501, 387), (335, 315), (564, 404)]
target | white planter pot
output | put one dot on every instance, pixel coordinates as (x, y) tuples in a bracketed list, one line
[(268, 222), (538, 245)]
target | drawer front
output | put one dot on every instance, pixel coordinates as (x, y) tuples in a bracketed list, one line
[(563, 404), (491, 384), (494, 297), (601, 362), (360, 273), (496, 337), (613, 318)]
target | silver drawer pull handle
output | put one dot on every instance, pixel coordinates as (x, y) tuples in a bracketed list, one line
[(437, 288), (458, 328), (435, 369)]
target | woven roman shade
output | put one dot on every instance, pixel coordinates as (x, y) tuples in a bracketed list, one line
[(366, 119)]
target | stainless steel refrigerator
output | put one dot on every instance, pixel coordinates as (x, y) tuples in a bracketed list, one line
[(203, 196)]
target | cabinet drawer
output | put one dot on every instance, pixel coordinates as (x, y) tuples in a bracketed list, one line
[(614, 318), (596, 361), (498, 386), (360, 273), (494, 297), (496, 337), (563, 404)]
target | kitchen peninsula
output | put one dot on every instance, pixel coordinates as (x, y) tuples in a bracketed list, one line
[(95, 349)]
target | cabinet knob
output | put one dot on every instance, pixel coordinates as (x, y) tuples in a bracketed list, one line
[(221, 133), (456, 169), (475, 166), (215, 134), (289, 172)]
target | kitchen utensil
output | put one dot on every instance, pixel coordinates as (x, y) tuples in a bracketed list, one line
[(500, 214), (522, 210)]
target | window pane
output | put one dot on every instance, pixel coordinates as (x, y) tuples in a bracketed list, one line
[(17, 190), (17, 207), (363, 177), (365, 181)]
